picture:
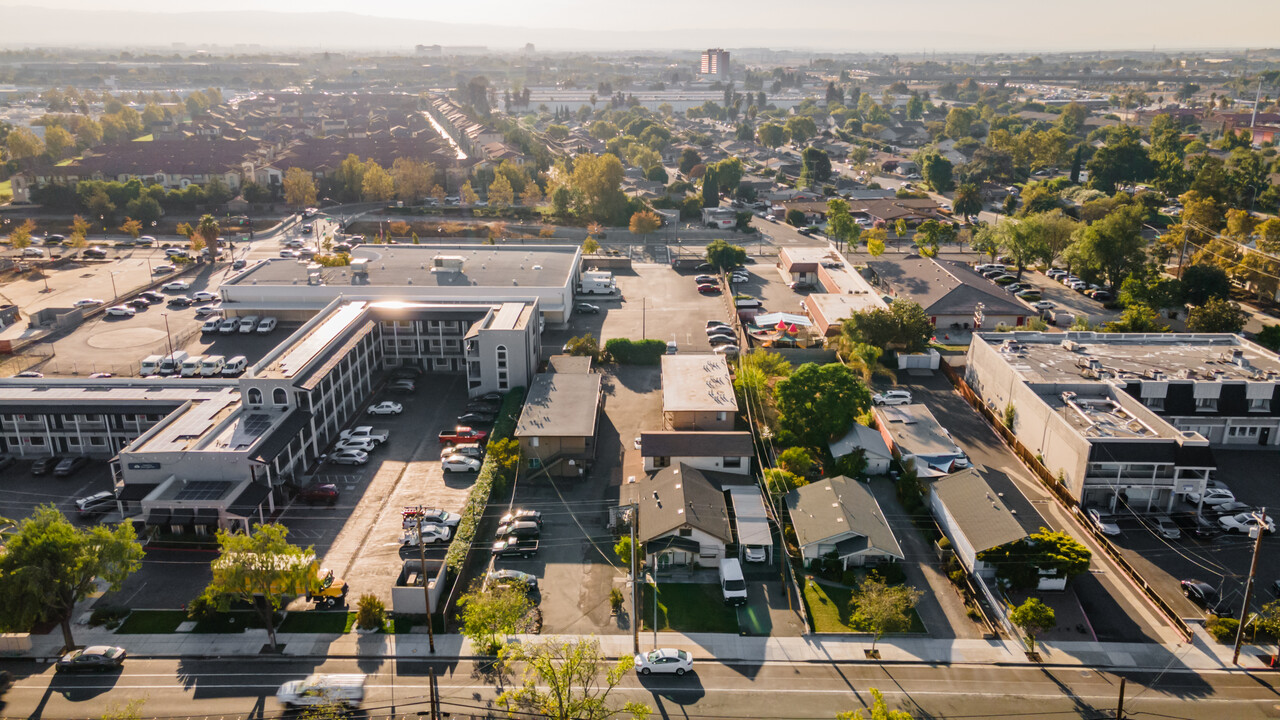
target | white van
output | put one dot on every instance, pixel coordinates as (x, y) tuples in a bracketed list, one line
[(248, 323), (235, 367), (266, 326), (732, 584), (333, 689), (150, 364), (228, 326), (172, 363), (191, 366), (211, 325), (212, 365)]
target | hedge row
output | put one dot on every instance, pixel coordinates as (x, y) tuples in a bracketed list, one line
[(478, 498), (635, 352)]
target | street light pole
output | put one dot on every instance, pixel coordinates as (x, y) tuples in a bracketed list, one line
[(114, 294), (1260, 526), (426, 592), (167, 334)]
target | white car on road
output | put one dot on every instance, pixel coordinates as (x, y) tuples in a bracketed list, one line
[(120, 311), (1043, 305), (87, 302), (1241, 522), (664, 660), (175, 286), (203, 296), (892, 397), (460, 463), (386, 408)]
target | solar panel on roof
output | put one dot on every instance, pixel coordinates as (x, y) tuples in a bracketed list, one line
[(201, 490), (257, 423)]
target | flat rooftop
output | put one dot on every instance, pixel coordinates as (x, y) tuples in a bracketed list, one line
[(1059, 357), (312, 340), (835, 308), (693, 382), (124, 395), (183, 431), (412, 266), (1102, 415), (917, 431), (561, 405)]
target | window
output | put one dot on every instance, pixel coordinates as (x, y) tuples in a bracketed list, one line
[(733, 462), (1260, 405), (1207, 404), (720, 417), (501, 353), (534, 441), (1154, 403), (279, 396), (255, 396), (686, 532), (95, 440), (661, 462), (73, 441), (92, 418), (37, 441)]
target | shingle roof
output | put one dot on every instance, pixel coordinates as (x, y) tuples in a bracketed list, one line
[(977, 510), (835, 507), (943, 287), (681, 495)]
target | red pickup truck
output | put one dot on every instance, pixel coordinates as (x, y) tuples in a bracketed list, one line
[(462, 434)]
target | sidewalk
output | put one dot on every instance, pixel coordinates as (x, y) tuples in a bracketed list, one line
[(1201, 654)]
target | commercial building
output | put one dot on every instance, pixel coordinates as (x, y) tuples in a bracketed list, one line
[(477, 274), (1129, 421), (715, 64), (697, 393)]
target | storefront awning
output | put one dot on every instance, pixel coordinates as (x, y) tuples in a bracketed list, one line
[(158, 516), (206, 516), (249, 500), (182, 516)]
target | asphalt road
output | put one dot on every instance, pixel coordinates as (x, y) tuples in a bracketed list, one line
[(245, 689)]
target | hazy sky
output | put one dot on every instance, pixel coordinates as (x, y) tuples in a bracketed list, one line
[(907, 25)]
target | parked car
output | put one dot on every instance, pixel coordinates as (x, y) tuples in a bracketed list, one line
[(483, 406), (471, 450), (120, 311), (1043, 305), (1206, 596), (435, 516), (460, 463), (1214, 496), (364, 445), (402, 386), (70, 466), (176, 286), (587, 308), (533, 516), (87, 302), (508, 577), (511, 547), (429, 534), (490, 397), (45, 465), (326, 493), (1030, 295), (386, 407), (1197, 526), (1004, 279), (520, 529), (92, 506), (704, 279), (664, 660), (727, 350), (1104, 526), (462, 434), (1242, 522), (718, 323), (892, 397), (1165, 526), (180, 301), (476, 418), (153, 296), (96, 658), (1234, 507), (709, 289), (266, 326), (138, 304), (30, 374), (203, 296), (163, 268), (348, 457), (365, 432), (716, 340)]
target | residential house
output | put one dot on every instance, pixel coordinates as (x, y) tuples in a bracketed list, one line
[(841, 517), (683, 518), (869, 442), (914, 435), (697, 393), (557, 427), (951, 293), (728, 452)]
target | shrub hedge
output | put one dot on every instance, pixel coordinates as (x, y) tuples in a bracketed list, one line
[(478, 498), (635, 352)]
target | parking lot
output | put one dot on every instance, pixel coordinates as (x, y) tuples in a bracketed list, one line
[(1069, 301), (1222, 561)]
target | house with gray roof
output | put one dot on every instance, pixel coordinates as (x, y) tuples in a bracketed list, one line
[(728, 452), (951, 293), (557, 427), (684, 519), (973, 517), (840, 515)]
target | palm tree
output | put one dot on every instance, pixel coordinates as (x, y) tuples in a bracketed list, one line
[(967, 201), (207, 229)]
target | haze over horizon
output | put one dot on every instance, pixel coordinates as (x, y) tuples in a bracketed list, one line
[(912, 26)]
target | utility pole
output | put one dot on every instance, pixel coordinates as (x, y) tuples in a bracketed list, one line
[(426, 587), (434, 703), (1261, 517), (1186, 234), (1120, 705), (635, 580)]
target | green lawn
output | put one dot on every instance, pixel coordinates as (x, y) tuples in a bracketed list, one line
[(234, 621), (144, 138), (318, 621), (829, 609), (6, 187), (684, 607), (145, 622)]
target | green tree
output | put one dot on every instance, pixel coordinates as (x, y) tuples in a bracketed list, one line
[(349, 177), (815, 166), (1122, 160), (490, 615), (412, 179), (131, 227), (1202, 283), (561, 680), (1021, 563), (144, 208), (24, 145), (624, 550), (800, 128), (875, 239), (377, 184), (959, 123), (299, 187), (796, 217), (1033, 617), (20, 237), (261, 568), (795, 460), (561, 197), (710, 188), (937, 171), (1216, 316), (1137, 318), (779, 482), (1018, 240), (931, 235), (597, 187), (903, 326), (841, 226), (880, 607), (501, 196), (1055, 232), (57, 141), (585, 346), (819, 401), (1269, 337), (49, 565), (1111, 248), (967, 201), (207, 231), (688, 159), (771, 135), (879, 710), (724, 256)]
